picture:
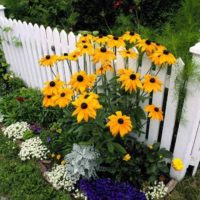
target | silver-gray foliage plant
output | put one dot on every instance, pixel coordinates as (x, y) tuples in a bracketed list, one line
[(82, 161)]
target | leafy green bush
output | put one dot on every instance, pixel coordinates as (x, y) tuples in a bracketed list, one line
[(25, 104), (58, 13)]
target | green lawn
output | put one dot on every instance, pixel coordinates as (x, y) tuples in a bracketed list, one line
[(23, 180)]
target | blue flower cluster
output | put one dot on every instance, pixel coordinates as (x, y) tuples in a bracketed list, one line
[(106, 189)]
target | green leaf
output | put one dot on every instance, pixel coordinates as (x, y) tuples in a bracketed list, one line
[(119, 148)]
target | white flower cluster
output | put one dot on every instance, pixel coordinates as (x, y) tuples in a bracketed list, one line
[(58, 180), (33, 148), (1, 117), (155, 192), (16, 130)]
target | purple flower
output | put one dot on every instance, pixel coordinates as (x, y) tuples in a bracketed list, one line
[(106, 189), (48, 139), (35, 128)]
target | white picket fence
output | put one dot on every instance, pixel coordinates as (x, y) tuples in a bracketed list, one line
[(37, 41)]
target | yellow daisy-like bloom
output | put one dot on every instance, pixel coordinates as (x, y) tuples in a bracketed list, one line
[(130, 80), (53, 155), (101, 39), (159, 47), (154, 112), (146, 46), (104, 68), (131, 37), (48, 60), (127, 157), (177, 164), (85, 38), (150, 146), (80, 81), (162, 57), (85, 109), (52, 87), (128, 53), (73, 56), (63, 98), (86, 48), (115, 41), (151, 83), (90, 95), (48, 101), (119, 123), (103, 55), (63, 57)]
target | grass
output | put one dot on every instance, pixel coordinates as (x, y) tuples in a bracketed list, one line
[(23, 180), (188, 189)]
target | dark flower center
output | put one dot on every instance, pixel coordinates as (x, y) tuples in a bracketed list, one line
[(132, 76), (103, 49), (120, 121), (132, 33), (86, 96), (85, 46), (49, 96), (166, 52), (85, 35), (128, 52), (157, 44), (100, 36), (148, 42), (84, 105), (115, 38), (80, 78), (74, 56), (65, 54), (48, 57), (156, 109), (83, 41), (52, 83), (152, 80), (62, 94)]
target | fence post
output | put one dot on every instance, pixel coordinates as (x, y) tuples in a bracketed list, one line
[(188, 132), (2, 13)]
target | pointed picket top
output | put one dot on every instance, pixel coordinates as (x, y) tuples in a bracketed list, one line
[(71, 41)]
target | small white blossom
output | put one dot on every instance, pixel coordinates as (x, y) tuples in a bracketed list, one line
[(16, 131), (155, 192), (33, 148)]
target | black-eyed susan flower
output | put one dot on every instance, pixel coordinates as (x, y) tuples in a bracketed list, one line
[(58, 157), (86, 48), (127, 157), (63, 57), (63, 98), (104, 68), (90, 95), (119, 124), (146, 46), (128, 53), (101, 39), (85, 38), (80, 81), (103, 55), (85, 108), (114, 41), (73, 56), (151, 83), (131, 37), (130, 80), (52, 87), (154, 112), (162, 57), (48, 101), (177, 164), (48, 60)]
